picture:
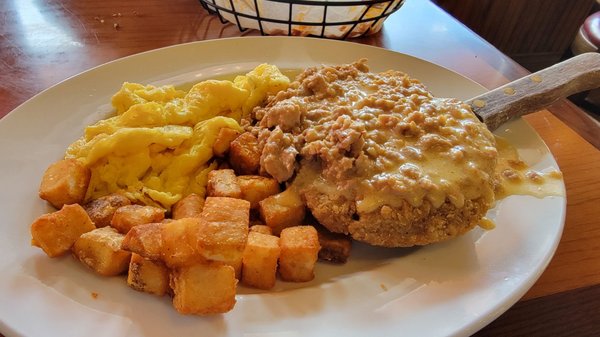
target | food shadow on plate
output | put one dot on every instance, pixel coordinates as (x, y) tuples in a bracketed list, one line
[(372, 278), (111, 295), (433, 263), (67, 276)]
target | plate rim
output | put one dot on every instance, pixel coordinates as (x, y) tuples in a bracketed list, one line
[(469, 329)]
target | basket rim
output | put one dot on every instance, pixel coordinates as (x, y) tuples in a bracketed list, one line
[(390, 6), (323, 3)]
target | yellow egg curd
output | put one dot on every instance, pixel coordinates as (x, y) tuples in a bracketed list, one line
[(158, 147)]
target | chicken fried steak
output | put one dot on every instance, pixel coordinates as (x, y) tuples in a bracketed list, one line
[(376, 156)]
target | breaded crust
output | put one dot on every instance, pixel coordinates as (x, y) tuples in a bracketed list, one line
[(403, 226)]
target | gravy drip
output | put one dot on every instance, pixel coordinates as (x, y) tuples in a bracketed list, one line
[(377, 139), (515, 177)]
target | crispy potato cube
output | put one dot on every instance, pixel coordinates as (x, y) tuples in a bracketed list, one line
[(224, 230), (244, 155), (180, 243), (203, 289), (282, 210), (145, 240), (189, 206), (259, 262), (255, 222), (223, 141), (174, 243), (335, 247), (264, 229), (223, 183), (148, 276), (127, 217), (299, 251), (65, 182), (101, 210), (56, 232), (223, 165), (101, 251), (257, 188)]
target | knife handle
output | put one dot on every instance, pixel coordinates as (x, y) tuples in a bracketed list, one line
[(538, 90)]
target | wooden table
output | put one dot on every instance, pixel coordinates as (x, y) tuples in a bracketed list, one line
[(45, 42)]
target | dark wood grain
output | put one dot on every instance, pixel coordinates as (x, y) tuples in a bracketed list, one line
[(576, 263), (572, 313), (584, 124), (45, 42), (536, 33)]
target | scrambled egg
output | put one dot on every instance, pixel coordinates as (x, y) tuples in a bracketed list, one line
[(158, 147)]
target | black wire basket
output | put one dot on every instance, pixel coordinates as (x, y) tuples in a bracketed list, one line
[(330, 19)]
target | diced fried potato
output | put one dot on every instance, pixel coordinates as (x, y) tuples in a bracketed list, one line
[(282, 210), (55, 233), (299, 250), (180, 243), (264, 229), (174, 243), (148, 276), (204, 289), (335, 247), (223, 141), (145, 240), (127, 217), (224, 230), (259, 262), (223, 165), (223, 183), (244, 155), (189, 206), (257, 188), (255, 222), (101, 210), (65, 182), (101, 251)]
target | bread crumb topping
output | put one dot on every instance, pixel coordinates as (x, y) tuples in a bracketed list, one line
[(377, 138)]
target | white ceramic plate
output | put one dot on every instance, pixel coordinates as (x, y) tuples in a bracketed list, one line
[(453, 288)]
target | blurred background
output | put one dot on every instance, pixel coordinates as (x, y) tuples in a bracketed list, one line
[(535, 33)]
